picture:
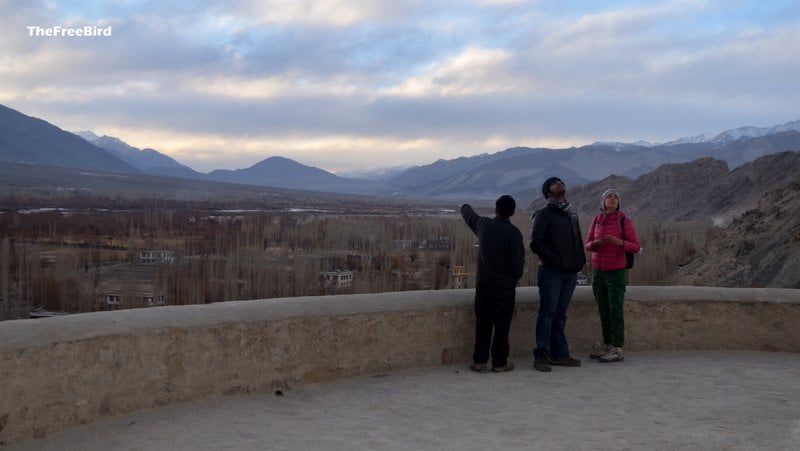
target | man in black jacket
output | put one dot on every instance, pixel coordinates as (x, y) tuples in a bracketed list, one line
[(501, 259), (556, 239)]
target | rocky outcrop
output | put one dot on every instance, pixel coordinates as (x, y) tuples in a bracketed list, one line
[(758, 249), (702, 190)]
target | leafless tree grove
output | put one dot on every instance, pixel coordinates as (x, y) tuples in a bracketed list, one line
[(77, 260)]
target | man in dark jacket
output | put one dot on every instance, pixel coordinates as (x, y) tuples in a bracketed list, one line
[(501, 259), (556, 239)]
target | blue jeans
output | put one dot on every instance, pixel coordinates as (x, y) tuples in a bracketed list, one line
[(555, 293)]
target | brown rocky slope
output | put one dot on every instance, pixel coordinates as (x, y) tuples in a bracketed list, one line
[(701, 190), (760, 248), (755, 206)]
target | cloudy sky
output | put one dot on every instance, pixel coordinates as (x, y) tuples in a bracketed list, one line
[(357, 84)]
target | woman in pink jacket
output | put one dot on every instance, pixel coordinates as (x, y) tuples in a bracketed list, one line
[(611, 235)]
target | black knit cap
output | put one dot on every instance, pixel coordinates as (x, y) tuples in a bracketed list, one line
[(546, 186)]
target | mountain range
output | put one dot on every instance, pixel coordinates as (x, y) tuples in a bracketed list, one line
[(515, 171), (146, 160), (746, 181), (27, 139)]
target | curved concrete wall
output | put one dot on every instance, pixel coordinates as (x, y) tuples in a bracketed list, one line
[(60, 372)]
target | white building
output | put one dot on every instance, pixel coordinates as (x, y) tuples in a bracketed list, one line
[(338, 278), (153, 257)]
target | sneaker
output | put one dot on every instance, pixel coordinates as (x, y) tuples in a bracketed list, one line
[(565, 361), (503, 369), (541, 360), (605, 349), (478, 367), (614, 356)]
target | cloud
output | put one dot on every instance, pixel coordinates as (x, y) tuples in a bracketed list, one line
[(337, 13), (410, 82), (473, 71)]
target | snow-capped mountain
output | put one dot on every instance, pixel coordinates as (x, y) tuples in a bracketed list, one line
[(620, 146), (87, 135), (741, 132), (26, 139), (375, 174), (737, 133), (755, 132), (517, 170), (148, 160), (689, 140)]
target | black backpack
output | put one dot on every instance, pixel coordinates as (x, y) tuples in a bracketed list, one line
[(628, 255)]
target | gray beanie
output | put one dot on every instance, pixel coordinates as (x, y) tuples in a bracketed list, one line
[(607, 193)]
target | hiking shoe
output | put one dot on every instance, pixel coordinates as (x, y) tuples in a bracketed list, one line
[(541, 360), (565, 361), (542, 364), (605, 349), (614, 356), (503, 369), (478, 367)]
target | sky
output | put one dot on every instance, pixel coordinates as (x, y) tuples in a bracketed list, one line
[(351, 85)]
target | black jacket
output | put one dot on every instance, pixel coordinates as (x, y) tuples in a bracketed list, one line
[(501, 258), (556, 238)]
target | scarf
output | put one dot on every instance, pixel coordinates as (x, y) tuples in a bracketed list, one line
[(563, 206)]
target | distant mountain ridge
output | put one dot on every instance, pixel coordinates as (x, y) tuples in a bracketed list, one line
[(146, 160), (515, 170), (286, 173), (521, 169), (27, 139), (379, 174), (275, 171), (739, 133)]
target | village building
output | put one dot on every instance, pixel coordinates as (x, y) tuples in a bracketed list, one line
[(459, 277), (154, 257), (134, 285), (337, 279)]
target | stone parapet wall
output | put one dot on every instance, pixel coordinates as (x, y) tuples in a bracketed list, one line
[(56, 373)]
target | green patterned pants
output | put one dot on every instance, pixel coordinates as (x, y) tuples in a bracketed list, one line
[(609, 292)]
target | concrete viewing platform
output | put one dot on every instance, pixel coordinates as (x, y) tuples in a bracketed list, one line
[(705, 368), (665, 400)]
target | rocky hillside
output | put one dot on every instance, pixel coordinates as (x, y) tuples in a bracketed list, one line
[(702, 190), (755, 206), (761, 248)]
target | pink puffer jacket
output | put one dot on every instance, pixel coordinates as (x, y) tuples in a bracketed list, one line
[(608, 256)]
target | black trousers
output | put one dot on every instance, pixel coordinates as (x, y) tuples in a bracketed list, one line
[(493, 309)]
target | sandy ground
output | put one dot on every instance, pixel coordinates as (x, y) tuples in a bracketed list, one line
[(664, 400)]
